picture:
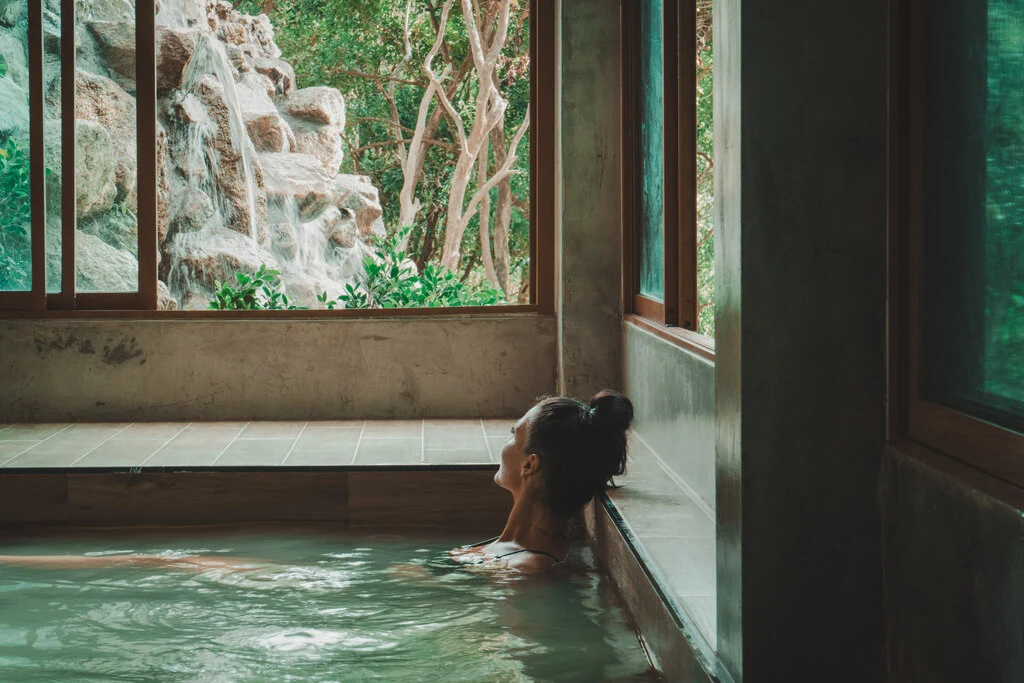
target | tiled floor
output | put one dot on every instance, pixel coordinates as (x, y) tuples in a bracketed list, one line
[(675, 529), (253, 444)]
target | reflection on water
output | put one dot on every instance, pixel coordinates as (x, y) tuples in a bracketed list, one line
[(308, 607)]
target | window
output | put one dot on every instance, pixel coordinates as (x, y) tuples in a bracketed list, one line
[(281, 155), (963, 143), (668, 179)]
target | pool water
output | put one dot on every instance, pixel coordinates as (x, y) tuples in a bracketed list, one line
[(307, 606)]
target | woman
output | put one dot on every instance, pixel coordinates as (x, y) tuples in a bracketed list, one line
[(561, 454)]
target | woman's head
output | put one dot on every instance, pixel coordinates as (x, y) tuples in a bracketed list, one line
[(565, 451)]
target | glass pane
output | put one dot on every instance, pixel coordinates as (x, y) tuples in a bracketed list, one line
[(15, 179), (107, 241), (281, 153), (974, 210), (705, 174), (651, 152)]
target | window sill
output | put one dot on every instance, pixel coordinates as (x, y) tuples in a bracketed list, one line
[(678, 336)]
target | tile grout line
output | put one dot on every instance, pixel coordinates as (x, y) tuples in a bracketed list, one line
[(286, 455), (165, 444), (235, 438), (359, 442), (490, 453), (72, 463), (423, 442), (690, 493), (37, 443)]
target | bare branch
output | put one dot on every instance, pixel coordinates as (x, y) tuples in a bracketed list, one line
[(506, 168)]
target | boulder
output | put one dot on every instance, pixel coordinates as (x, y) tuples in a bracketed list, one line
[(105, 102), (323, 142), (163, 185), (11, 11), (211, 256), (340, 227), (119, 230), (266, 127), (95, 161), (12, 53), (192, 211), (357, 193), (107, 10), (14, 112), (117, 43), (99, 267), (319, 104), (263, 35), (300, 178), (175, 47), (164, 300), (280, 73)]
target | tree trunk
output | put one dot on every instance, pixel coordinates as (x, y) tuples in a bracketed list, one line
[(268, 6), (485, 221), (503, 212)]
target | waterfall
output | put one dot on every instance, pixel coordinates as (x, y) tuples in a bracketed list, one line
[(210, 59)]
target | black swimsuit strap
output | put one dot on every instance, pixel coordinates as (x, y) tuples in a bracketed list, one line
[(528, 550), (477, 545)]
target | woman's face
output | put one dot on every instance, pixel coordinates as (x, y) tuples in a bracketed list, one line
[(516, 463)]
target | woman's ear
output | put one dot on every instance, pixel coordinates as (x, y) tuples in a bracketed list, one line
[(531, 465)]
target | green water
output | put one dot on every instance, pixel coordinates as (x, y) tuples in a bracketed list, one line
[(316, 607)]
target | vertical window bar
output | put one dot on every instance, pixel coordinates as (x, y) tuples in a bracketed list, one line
[(686, 165), (673, 92), (69, 205), (37, 154), (145, 74)]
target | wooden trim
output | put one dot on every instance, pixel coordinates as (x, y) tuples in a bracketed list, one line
[(543, 147), (109, 301), (651, 309), (112, 309), (997, 451), (686, 254), (628, 78), (146, 133), (684, 339), (69, 204), (671, 162), (37, 153)]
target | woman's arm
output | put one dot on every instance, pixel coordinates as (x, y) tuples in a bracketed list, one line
[(191, 563)]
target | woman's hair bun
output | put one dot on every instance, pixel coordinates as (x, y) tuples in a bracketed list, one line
[(611, 411)]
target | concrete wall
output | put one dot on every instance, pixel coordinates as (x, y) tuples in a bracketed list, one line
[(954, 577), (800, 191), (589, 235), (673, 394), (273, 369)]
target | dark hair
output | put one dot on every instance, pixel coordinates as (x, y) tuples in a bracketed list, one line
[(581, 446)]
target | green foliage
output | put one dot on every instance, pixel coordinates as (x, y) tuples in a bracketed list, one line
[(355, 47), (260, 291), (3, 66), (390, 280), (15, 218), (705, 178)]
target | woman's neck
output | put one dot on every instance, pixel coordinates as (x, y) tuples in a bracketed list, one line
[(531, 525)]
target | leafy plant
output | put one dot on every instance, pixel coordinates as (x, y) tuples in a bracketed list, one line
[(15, 217), (390, 280), (260, 291)]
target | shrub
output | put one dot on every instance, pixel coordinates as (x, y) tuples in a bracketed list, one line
[(260, 291), (15, 217)]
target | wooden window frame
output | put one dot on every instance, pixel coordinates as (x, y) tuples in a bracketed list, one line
[(919, 427), (142, 304), (674, 319)]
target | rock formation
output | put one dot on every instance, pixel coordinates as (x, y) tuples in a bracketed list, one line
[(248, 163)]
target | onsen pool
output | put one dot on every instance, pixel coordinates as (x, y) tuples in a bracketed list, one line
[(309, 606)]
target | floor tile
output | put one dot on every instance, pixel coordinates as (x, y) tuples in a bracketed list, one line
[(335, 424), (653, 517), (499, 427), (272, 430), (183, 455), (46, 458), (456, 457), (338, 456), (462, 435), (703, 609), (32, 432), (11, 449), (332, 440), (156, 431), (393, 429), (119, 453), (255, 452), (389, 452), (495, 444), (687, 563)]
